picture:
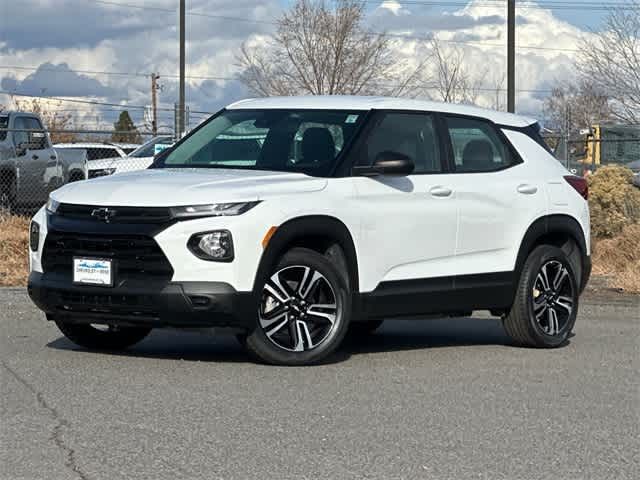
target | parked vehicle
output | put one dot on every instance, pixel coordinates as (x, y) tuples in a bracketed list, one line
[(74, 164), (387, 208), (127, 148), (139, 159), (29, 166), (95, 151)]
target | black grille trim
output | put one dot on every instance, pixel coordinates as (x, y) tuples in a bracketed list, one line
[(135, 256), (153, 215)]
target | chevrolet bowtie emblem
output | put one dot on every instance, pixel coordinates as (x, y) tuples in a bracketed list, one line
[(104, 214)]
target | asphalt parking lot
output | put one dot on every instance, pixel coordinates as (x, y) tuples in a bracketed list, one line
[(443, 399)]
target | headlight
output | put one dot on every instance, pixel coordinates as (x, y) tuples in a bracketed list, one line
[(215, 246), (34, 236), (101, 172), (214, 210), (52, 205)]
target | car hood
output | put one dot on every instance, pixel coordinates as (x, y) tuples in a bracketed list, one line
[(173, 187)]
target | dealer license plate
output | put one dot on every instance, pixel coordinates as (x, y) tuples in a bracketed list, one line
[(93, 271)]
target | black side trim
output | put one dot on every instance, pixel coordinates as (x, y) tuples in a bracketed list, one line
[(442, 295), (563, 224), (314, 225)]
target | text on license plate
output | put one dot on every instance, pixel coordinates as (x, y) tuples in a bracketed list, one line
[(94, 271)]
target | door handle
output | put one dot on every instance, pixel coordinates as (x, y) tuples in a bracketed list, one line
[(53, 157), (440, 191), (527, 189), (34, 157)]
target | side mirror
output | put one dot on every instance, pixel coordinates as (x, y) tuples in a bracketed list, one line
[(387, 163), (37, 140)]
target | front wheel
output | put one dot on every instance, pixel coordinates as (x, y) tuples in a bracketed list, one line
[(546, 302), (102, 337), (304, 311)]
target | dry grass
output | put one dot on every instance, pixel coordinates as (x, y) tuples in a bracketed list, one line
[(14, 245), (619, 259)]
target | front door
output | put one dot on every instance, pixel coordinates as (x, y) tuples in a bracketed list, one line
[(408, 224)]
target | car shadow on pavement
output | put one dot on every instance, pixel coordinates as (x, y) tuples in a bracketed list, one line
[(393, 336)]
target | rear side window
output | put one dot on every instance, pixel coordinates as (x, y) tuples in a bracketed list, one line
[(412, 134), (477, 147), (101, 153)]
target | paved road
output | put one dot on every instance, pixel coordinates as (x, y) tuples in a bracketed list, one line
[(432, 399)]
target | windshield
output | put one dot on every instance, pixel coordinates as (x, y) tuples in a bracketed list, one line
[(307, 141), (149, 148)]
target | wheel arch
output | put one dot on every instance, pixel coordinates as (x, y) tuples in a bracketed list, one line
[(562, 231), (317, 232)]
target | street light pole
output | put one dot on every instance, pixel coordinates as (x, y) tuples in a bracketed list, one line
[(511, 56), (181, 100)]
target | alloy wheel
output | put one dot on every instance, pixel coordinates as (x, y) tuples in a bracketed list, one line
[(299, 309), (553, 297)]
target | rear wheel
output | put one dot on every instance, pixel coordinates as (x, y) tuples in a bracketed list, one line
[(546, 302), (102, 337), (303, 313)]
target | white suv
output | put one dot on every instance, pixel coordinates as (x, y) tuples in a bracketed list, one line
[(292, 220)]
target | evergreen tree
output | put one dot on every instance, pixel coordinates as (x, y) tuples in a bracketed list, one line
[(122, 127)]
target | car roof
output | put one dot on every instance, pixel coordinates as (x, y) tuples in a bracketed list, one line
[(349, 102), (86, 145)]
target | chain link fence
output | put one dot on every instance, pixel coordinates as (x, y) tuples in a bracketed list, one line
[(34, 162)]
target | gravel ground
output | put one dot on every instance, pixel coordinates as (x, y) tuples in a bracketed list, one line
[(446, 398)]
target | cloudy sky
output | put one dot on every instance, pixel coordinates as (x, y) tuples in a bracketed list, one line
[(104, 51)]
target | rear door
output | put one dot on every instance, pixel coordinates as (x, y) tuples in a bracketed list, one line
[(408, 224), (498, 197)]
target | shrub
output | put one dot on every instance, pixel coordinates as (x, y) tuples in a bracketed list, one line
[(14, 245), (613, 200)]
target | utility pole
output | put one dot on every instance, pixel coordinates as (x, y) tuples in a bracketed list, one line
[(154, 103), (182, 64), (511, 56)]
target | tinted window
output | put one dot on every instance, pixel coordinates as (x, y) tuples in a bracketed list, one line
[(477, 147), (412, 134), (20, 123), (4, 124), (306, 141), (101, 153)]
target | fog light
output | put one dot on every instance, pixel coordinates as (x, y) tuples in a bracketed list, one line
[(215, 246), (34, 236)]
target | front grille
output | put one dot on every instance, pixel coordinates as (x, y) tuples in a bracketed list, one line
[(106, 303), (135, 256), (155, 215)]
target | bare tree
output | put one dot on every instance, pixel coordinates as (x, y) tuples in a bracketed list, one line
[(453, 82), (53, 120), (322, 50), (576, 106), (611, 61)]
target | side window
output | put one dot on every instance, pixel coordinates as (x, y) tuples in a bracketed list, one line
[(412, 134), (101, 153), (20, 136), (477, 146)]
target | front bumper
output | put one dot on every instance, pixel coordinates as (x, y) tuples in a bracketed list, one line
[(153, 304)]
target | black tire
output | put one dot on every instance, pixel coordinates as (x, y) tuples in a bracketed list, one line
[(357, 329), (93, 338), (529, 322), (283, 341)]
